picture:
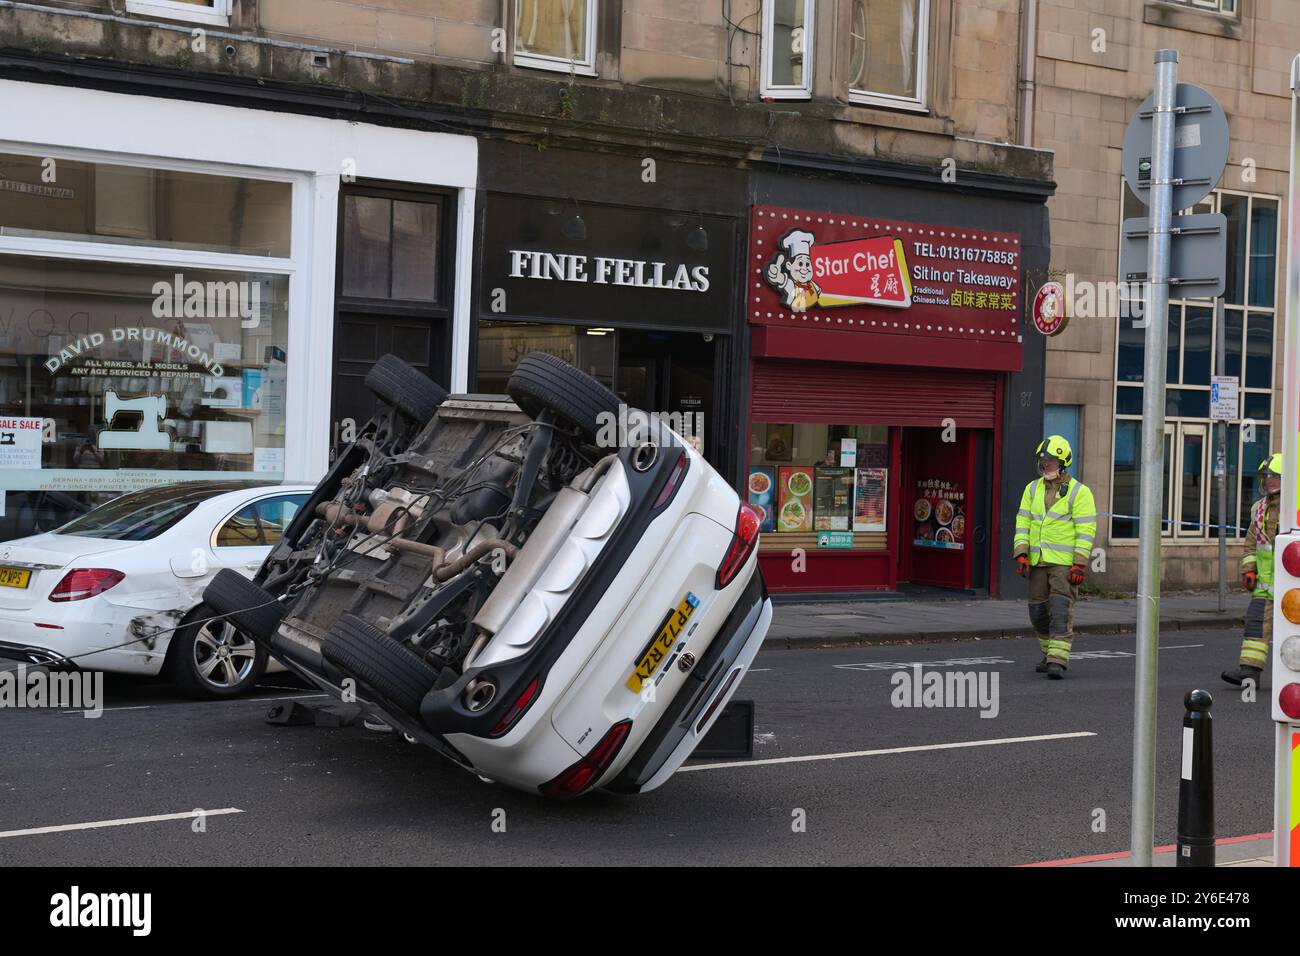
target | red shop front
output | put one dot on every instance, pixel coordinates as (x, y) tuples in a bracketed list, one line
[(876, 397)]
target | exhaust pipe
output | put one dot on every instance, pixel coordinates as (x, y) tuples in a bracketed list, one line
[(479, 693)]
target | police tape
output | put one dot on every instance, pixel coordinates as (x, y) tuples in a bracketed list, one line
[(1180, 523)]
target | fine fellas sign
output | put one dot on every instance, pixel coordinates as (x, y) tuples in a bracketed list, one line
[(865, 274)]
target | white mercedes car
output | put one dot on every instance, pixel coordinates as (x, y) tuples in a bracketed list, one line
[(510, 582), (107, 590)]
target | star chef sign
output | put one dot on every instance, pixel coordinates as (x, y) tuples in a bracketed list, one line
[(930, 278)]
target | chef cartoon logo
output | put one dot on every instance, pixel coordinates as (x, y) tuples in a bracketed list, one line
[(870, 271), (791, 272)]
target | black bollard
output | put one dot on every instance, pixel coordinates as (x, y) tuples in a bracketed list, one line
[(1196, 788)]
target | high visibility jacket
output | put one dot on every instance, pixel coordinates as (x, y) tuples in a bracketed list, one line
[(1259, 545), (1061, 534)]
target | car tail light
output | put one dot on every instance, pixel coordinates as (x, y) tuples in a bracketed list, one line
[(522, 704), (674, 479), (82, 583), (589, 769), (742, 543)]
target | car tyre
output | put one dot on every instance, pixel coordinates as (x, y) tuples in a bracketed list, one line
[(251, 609), (542, 382), (406, 388), (379, 662), (213, 659)]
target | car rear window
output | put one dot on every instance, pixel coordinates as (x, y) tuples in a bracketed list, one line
[(140, 515)]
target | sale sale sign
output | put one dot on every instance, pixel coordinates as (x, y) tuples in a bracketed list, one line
[(864, 274)]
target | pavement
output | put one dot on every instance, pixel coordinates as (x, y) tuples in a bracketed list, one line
[(907, 621), (844, 772)]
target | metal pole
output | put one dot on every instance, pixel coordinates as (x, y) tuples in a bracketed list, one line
[(1221, 456), (1156, 317)]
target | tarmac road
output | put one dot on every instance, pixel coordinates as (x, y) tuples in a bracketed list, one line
[(308, 795)]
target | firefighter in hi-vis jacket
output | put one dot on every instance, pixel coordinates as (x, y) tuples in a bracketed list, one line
[(1055, 528), (1257, 575)]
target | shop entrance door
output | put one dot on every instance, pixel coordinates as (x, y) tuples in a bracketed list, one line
[(942, 511), (673, 373), (393, 292)]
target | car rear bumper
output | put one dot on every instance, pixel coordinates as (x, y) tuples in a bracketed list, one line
[(696, 706)]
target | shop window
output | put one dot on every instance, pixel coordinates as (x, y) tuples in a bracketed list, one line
[(503, 345), (212, 12), (889, 48), (1249, 333), (556, 35), (55, 198), (787, 48), (136, 375), (806, 480)]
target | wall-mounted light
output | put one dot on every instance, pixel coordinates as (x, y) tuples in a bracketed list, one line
[(599, 331)]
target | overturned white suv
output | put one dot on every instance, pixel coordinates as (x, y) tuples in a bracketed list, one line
[(543, 611)]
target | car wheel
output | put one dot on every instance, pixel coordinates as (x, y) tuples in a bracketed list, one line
[(406, 388), (251, 609), (379, 662), (213, 659), (542, 381)]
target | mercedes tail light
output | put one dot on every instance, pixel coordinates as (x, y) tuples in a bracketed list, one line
[(742, 544), (81, 583), (590, 768)]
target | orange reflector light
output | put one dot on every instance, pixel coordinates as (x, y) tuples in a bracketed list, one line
[(1291, 605)]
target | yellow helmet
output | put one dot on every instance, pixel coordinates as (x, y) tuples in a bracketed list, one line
[(1272, 465), (1054, 446)]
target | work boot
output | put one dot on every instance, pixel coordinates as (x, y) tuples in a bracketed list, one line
[(1041, 668), (1241, 673), (1055, 671)]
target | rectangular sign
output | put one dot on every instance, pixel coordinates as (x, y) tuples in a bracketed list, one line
[(1225, 398), (1198, 254), (20, 443), (864, 274)]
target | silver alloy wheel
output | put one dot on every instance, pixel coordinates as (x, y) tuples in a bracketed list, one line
[(223, 657)]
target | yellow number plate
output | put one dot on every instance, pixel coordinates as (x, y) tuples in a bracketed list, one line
[(658, 648), (14, 577)]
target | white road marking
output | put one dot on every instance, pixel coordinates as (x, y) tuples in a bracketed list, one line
[(808, 758), (898, 665), (757, 670), (982, 661), (125, 821)]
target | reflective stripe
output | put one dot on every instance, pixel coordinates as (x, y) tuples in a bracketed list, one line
[(1025, 513), (1074, 493), (1084, 519), (1063, 548)]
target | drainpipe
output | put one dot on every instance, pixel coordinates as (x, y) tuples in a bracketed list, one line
[(1028, 57)]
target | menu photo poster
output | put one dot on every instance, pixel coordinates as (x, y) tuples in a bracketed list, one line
[(870, 498), (762, 496), (833, 499), (940, 513), (794, 498)]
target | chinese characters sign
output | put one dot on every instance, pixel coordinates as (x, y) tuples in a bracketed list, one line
[(863, 274)]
